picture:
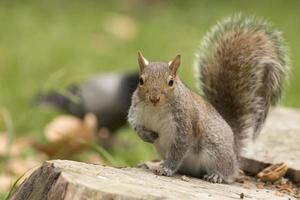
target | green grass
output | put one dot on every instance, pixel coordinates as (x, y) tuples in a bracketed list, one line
[(49, 44)]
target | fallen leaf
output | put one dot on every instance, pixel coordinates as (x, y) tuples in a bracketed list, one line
[(19, 144), (3, 144), (18, 166), (260, 185), (273, 172), (122, 27), (94, 158), (285, 188), (67, 135), (69, 128), (6, 182)]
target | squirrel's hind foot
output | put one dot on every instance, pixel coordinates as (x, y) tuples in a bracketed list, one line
[(213, 178), (163, 170)]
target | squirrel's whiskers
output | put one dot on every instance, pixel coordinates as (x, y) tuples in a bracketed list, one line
[(157, 88)]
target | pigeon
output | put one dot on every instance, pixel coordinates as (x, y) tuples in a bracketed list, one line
[(107, 96)]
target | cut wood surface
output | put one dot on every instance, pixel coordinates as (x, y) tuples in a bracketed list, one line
[(62, 179), (278, 142)]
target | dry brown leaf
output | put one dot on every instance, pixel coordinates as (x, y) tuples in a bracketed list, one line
[(67, 127), (285, 188), (6, 182), (3, 144), (94, 158), (18, 166), (16, 147), (121, 26), (19, 144), (67, 135), (273, 172), (260, 185)]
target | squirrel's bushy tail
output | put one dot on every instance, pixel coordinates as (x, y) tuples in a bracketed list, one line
[(243, 65)]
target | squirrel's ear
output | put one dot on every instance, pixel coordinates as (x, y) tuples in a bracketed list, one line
[(174, 64), (143, 62)]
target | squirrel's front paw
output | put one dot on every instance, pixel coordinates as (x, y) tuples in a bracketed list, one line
[(163, 170), (147, 136)]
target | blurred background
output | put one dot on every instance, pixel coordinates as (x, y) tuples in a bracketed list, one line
[(47, 46)]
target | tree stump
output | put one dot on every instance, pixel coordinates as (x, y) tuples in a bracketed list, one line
[(66, 180)]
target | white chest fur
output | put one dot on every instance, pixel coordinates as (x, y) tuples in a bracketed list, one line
[(158, 119)]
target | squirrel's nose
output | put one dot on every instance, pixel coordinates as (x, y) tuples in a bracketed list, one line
[(154, 99)]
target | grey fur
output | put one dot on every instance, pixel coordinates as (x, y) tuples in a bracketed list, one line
[(203, 137), (188, 148)]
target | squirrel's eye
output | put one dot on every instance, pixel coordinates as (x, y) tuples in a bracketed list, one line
[(141, 81), (171, 82)]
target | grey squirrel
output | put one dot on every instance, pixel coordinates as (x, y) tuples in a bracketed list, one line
[(107, 96), (242, 64)]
